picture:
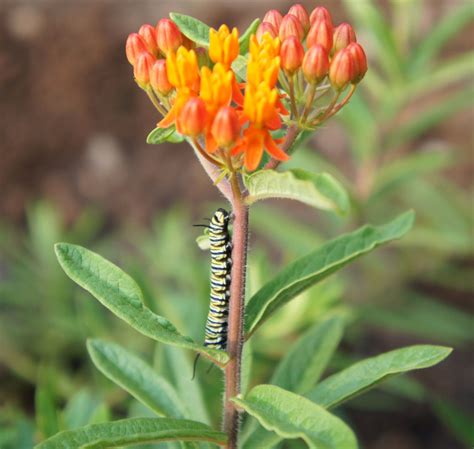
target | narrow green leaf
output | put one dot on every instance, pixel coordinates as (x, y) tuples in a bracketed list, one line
[(82, 409), (430, 117), (367, 373), (132, 431), (457, 421), (117, 291), (137, 377), (316, 266), (239, 66), (244, 40), (292, 416), (306, 360), (319, 190), (46, 414), (160, 135), (444, 30), (192, 28), (301, 369)]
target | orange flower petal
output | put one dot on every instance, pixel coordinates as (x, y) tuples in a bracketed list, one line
[(274, 122), (274, 150)]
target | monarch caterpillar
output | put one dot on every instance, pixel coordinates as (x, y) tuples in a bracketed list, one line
[(221, 263)]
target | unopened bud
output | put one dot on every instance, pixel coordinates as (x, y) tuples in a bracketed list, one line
[(134, 46), (316, 64), (291, 26), (193, 118), (266, 27), (148, 34), (226, 127), (291, 54), (300, 13), (274, 17), (343, 36), (143, 67), (360, 61), (320, 13), (341, 71), (168, 36), (321, 32), (159, 78)]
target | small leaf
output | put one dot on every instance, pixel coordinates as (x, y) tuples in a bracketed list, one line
[(46, 414), (319, 190), (292, 416), (117, 291), (244, 40), (81, 409), (367, 373), (203, 242), (239, 66), (160, 135), (192, 28), (316, 266), (136, 377), (176, 137), (132, 431)]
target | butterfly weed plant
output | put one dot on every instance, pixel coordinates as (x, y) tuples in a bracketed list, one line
[(244, 102)]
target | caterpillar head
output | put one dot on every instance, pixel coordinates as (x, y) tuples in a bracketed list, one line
[(222, 216)]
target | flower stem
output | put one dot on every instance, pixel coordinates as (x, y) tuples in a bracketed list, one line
[(235, 336)]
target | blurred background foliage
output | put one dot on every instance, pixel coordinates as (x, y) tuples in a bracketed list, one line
[(75, 168)]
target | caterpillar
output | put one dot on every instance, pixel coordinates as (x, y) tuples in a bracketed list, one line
[(221, 263)]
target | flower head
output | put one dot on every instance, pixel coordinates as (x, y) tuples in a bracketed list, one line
[(216, 87), (264, 61), (168, 36), (223, 45), (192, 118)]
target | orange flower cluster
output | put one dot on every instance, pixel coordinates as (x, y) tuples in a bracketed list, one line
[(232, 124)]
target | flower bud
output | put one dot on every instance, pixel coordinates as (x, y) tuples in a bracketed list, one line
[(168, 36), (266, 27), (316, 64), (320, 13), (193, 118), (274, 17), (341, 71), (300, 13), (226, 127), (321, 33), (343, 36), (148, 35), (159, 78), (291, 54), (360, 61), (143, 67), (291, 26), (134, 46)]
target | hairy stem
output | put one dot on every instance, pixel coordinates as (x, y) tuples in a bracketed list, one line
[(235, 337)]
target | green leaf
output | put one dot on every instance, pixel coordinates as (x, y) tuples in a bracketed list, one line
[(367, 373), (292, 416), (132, 431), (203, 242), (244, 40), (136, 377), (316, 266), (118, 292), (319, 190), (306, 360), (301, 369), (160, 135), (192, 28), (457, 421), (239, 66), (444, 30), (82, 409), (46, 414), (429, 118)]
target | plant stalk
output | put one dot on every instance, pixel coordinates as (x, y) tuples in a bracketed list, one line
[(235, 336)]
